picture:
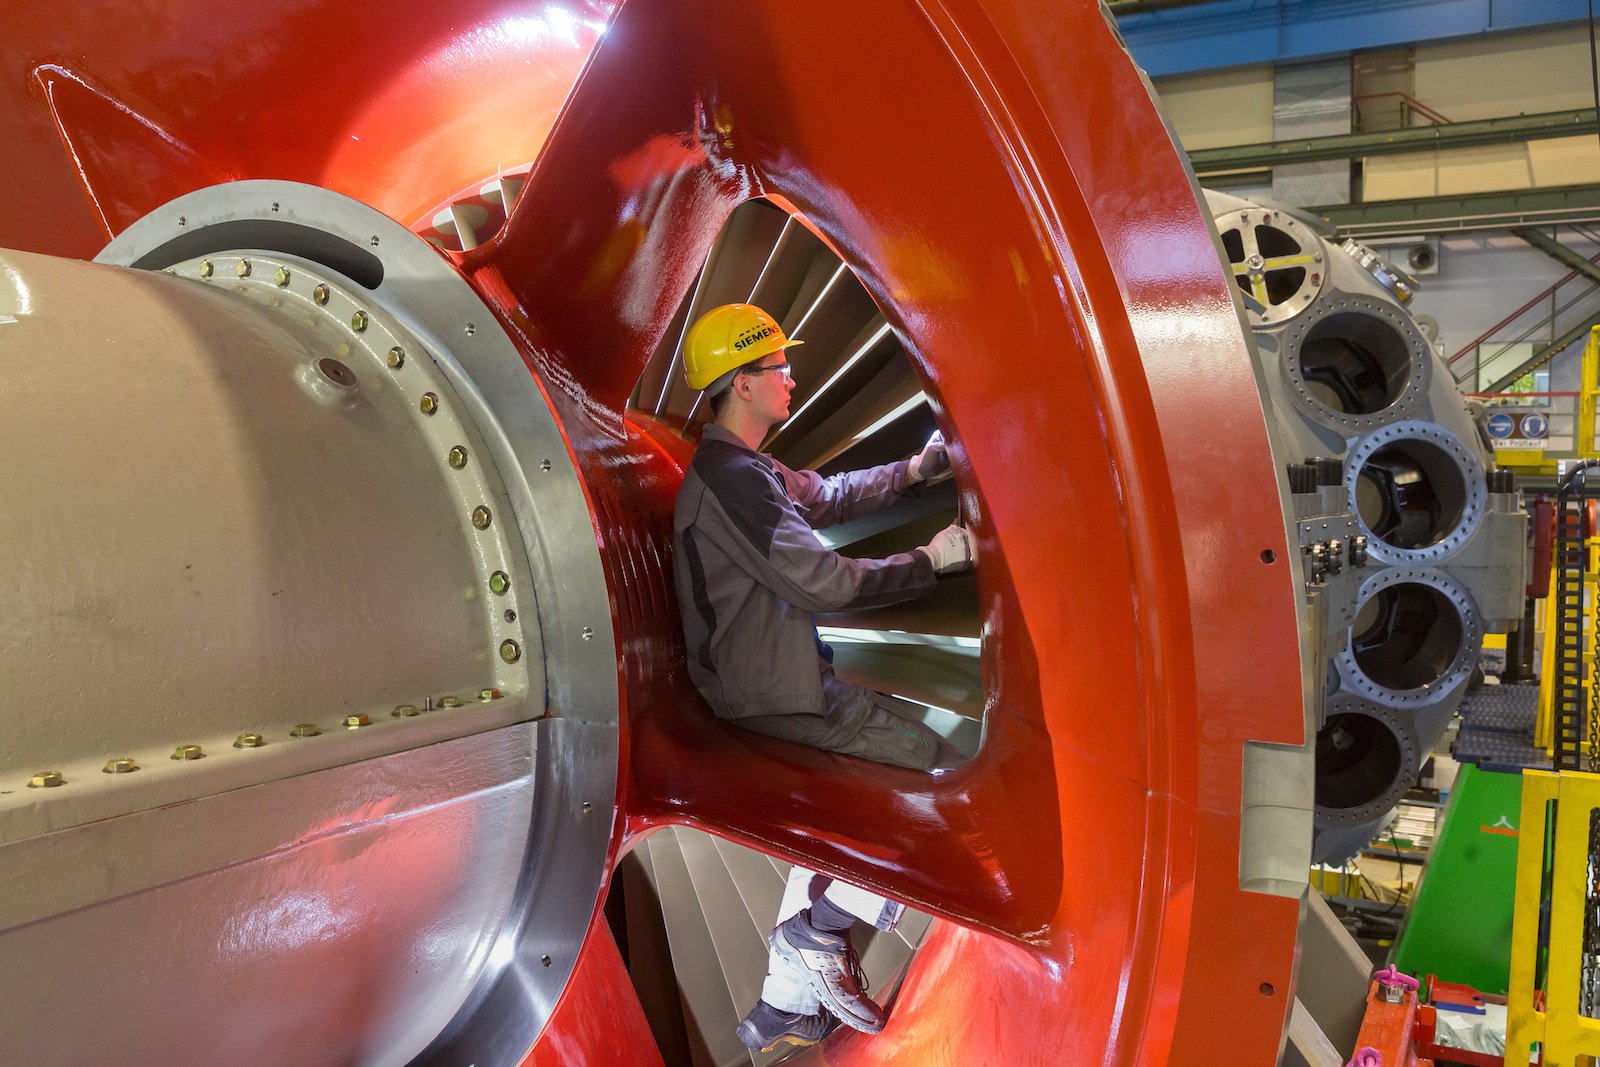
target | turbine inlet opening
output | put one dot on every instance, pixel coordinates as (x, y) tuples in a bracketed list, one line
[(1359, 759), (1408, 636), (1355, 363), (1411, 494)]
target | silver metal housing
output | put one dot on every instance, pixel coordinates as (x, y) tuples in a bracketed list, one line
[(1348, 376), (411, 527)]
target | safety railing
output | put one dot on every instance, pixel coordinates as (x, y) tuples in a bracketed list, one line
[(1391, 111), (1537, 431), (1554, 994), (1526, 331)]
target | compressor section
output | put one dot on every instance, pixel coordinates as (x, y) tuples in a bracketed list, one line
[(1432, 534)]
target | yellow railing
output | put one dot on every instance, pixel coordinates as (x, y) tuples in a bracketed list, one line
[(1563, 1032), (1588, 383)]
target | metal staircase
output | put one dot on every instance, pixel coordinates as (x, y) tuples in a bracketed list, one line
[(1576, 293)]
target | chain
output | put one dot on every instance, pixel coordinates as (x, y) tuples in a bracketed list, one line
[(1594, 688), (1590, 960)]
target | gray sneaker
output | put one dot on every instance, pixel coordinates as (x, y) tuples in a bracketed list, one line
[(829, 962), (766, 1027)]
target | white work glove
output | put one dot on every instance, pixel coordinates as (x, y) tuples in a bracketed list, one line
[(931, 462), (952, 548)]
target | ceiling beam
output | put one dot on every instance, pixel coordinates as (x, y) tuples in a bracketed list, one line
[(1476, 211), (1511, 130)]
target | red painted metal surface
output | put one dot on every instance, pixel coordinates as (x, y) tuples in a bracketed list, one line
[(1389, 1031), (1024, 222), (113, 109), (598, 1020)]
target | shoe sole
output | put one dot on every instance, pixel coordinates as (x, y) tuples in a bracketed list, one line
[(780, 944), (782, 1039)]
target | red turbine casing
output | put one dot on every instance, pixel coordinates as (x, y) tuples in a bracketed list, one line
[(997, 176)]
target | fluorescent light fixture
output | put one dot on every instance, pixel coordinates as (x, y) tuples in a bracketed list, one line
[(826, 289), (855, 357)]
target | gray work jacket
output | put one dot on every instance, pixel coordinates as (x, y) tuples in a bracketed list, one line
[(750, 572)]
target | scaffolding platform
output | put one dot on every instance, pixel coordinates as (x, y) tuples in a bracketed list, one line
[(1503, 709), (1492, 750)]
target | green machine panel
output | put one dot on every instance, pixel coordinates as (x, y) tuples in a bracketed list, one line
[(1459, 926)]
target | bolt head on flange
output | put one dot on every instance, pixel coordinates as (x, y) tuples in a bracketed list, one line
[(46, 780), (188, 752), (120, 765), (305, 729), (249, 741)]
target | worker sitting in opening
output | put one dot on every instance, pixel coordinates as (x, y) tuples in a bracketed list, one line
[(750, 574)]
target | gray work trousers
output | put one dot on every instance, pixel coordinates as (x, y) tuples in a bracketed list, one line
[(870, 726), (862, 723)]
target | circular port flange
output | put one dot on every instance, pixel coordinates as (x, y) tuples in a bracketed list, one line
[(1365, 761), (1418, 492), (1355, 362), (1276, 261), (1415, 637)]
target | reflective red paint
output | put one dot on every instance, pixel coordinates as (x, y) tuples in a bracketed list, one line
[(1119, 586), (1016, 204), (598, 1020), (394, 104)]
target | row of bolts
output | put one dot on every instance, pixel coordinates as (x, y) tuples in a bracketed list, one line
[(482, 517), (499, 582), (126, 764)]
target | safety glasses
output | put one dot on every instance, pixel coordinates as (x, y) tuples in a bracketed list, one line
[(783, 369)]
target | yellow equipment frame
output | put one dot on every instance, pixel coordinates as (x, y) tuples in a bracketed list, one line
[(1564, 1033)]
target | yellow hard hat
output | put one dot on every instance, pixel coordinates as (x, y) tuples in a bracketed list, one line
[(726, 338)]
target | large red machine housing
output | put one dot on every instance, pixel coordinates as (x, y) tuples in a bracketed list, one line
[(997, 175)]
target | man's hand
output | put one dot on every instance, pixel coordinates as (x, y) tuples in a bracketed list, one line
[(952, 549), (931, 462)]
